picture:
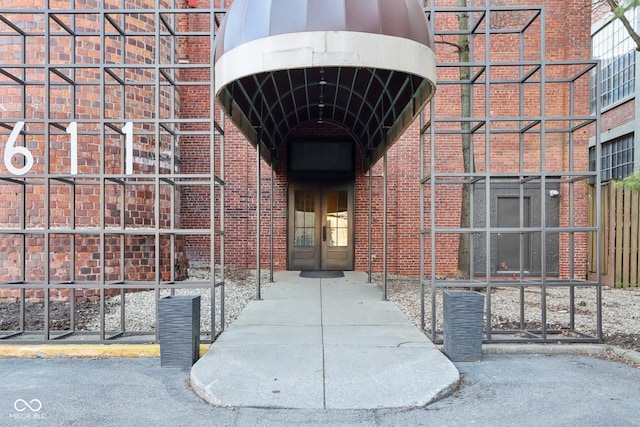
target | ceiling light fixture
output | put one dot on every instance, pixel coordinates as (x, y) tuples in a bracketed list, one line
[(322, 82)]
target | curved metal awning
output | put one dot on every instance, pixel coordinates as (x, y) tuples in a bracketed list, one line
[(366, 65)]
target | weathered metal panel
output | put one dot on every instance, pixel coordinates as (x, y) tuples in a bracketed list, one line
[(179, 327), (462, 313)]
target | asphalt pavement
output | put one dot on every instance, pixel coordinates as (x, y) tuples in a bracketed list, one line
[(501, 390), (366, 358)]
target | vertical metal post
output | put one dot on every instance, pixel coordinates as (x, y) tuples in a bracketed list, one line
[(521, 170), (271, 223), (23, 254), (369, 233), (598, 204), (432, 225), (487, 170), (103, 156), (432, 200), (258, 220), (221, 224), (23, 218), (384, 227), (572, 323), (222, 184), (123, 169), (212, 189), (72, 238), (47, 185), (543, 177), (156, 168), (421, 124)]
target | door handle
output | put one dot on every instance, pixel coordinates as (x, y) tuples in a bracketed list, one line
[(324, 233)]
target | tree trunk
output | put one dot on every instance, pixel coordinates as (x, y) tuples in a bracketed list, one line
[(464, 252)]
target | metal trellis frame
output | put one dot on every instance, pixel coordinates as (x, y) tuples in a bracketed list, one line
[(547, 192), (95, 219)]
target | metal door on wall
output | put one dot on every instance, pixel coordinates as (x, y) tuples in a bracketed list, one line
[(321, 227)]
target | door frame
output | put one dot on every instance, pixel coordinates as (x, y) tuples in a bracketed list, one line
[(318, 256), (550, 245)]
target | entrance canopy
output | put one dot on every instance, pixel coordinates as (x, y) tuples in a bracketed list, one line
[(366, 65)]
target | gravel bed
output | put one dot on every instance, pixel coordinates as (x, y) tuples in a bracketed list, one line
[(620, 308), (140, 307), (620, 320)]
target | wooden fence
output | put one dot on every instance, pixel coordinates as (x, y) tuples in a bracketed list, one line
[(620, 236)]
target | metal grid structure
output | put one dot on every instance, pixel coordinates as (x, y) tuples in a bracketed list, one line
[(94, 140), (538, 109), (94, 170)]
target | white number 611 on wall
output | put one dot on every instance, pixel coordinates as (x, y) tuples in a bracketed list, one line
[(11, 149)]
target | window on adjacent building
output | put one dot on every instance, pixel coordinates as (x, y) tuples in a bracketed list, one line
[(617, 158), (614, 47)]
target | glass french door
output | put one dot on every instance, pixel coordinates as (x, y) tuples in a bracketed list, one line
[(320, 227)]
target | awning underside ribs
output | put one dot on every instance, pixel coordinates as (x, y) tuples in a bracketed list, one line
[(374, 105)]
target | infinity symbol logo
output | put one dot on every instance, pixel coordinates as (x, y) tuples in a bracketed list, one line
[(21, 405)]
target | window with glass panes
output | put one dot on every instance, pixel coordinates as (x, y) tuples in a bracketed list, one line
[(617, 158), (615, 48)]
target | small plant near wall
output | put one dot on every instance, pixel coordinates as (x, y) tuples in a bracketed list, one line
[(182, 268), (631, 182)]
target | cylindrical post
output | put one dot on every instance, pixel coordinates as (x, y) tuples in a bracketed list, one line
[(271, 230), (384, 229), (258, 222), (369, 249)]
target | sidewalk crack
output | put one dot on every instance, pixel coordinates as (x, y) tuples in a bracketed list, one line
[(324, 369)]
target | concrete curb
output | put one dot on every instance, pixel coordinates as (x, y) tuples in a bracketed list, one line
[(153, 350), (629, 355), (565, 349), (90, 351), (548, 349)]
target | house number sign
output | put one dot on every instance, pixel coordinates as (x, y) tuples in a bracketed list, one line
[(11, 149)]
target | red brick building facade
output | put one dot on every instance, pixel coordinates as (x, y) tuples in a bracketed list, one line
[(130, 95), (566, 39)]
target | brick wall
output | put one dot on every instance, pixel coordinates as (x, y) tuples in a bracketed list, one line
[(567, 38), (55, 204), (618, 116)]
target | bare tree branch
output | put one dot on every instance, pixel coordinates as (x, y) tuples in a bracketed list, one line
[(619, 13), (445, 42)]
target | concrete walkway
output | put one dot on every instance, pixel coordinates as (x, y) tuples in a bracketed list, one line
[(323, 344)]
